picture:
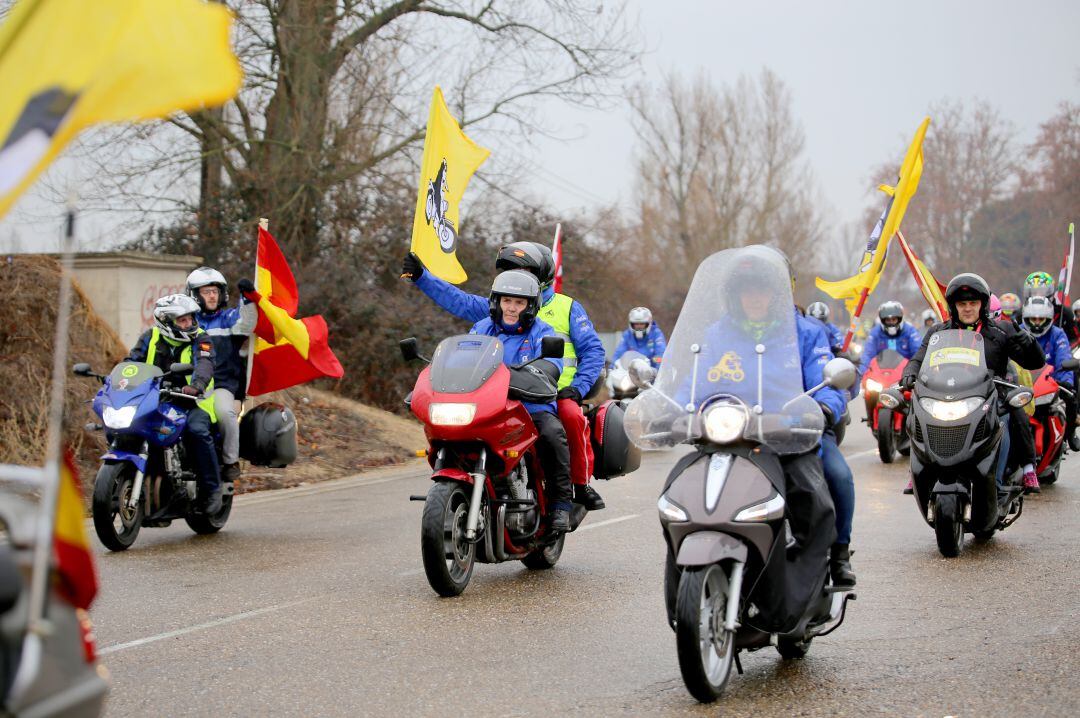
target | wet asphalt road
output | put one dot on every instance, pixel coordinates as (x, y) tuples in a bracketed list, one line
[(313, 601)]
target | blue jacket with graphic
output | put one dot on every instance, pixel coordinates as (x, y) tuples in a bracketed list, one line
[(723, 339), (474, 308), (652, 346), (520, 347), (229, 328), (1055, 345), (907, 343)]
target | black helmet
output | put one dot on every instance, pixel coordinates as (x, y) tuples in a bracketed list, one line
[(532, 257), (891, 316), (547, 266), (515, 283), (965, 287)]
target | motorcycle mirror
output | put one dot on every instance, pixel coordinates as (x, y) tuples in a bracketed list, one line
[(181, 368), (840, 373), (409, 349), (1071, 364), (641, 373), (1019, 397), (81, 369), (552, 347)]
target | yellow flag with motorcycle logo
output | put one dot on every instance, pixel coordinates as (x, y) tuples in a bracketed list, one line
[(450, 159)]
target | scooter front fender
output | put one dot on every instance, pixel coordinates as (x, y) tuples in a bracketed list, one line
[(114, 456), (453, 474), (704, 548)]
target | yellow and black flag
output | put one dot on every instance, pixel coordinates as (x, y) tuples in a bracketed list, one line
[(68, 64)]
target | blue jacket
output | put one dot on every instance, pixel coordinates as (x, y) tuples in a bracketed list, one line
[(652, 346), (907, 343), (229, 329), (1055, 345), (520, 347), (474, 308), (814, 354), (835, 334)]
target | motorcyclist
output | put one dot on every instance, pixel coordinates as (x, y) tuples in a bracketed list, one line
[(968, 296), (177, 337), (891, 333), (513, 306), (929, 318), (642, 336), (1010, 307), (820, 311), (582, 363), (754, 286), (228, 329), (1038, 321), (1041, 284)]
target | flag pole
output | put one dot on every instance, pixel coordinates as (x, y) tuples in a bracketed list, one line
[(264, 225), (1072, 249), (855, 318)]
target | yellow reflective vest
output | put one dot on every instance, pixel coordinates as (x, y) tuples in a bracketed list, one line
[(557, 314), (206, 404)]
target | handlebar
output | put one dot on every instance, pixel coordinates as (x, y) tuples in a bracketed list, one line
[(182, 396)]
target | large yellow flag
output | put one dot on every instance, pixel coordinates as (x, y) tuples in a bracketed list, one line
[(450, 159), (68, 64), (851, 289)]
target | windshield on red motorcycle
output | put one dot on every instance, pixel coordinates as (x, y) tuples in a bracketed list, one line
[(463, 363), (735, 342)]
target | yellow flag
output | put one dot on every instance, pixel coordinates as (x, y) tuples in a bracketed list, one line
[(68, 64), (873, 261), (450, 159)]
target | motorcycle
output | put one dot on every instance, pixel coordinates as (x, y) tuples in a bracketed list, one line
[(961, 477), (487, 502), (738, 576), (1048, 421), (147, 478), (884, 414), (620, 386)]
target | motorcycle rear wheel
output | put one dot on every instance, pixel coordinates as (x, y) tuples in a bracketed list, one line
[(790, 648), (886, 438), (948, 526), (448, 558), (117, 526), (706, 649), (203, 524), (544, 558)]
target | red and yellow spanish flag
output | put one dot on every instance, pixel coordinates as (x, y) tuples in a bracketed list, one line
[(288, 351), (74, 562), (932, 290)]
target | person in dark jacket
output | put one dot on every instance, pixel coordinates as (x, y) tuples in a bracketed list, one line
[(177, 337), (968, 296)]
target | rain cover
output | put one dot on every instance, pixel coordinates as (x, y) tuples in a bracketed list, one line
[(735, 337)]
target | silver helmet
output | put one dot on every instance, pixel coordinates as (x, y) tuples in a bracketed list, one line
[(1038, 315), (819, 311), (170, 308), (640, 315), (929, 315), (891, 316), (204, 277)]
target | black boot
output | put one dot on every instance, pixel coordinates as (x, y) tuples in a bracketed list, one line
[(840, 565), (587, 497), (212, 504), (560, 521)]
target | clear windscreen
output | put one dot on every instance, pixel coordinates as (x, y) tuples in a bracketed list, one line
[(462, 363), (627, 358), (129, 374), (735, 338), (955, 361)]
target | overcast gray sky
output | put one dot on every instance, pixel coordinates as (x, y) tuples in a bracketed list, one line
[(862, 75)]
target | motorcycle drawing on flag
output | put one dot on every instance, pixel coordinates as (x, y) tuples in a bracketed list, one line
[(435, 209)]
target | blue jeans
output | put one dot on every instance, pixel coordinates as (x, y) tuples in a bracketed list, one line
[(841, 485), (199, 441)]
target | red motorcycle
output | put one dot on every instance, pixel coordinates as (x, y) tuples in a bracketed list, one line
[(488, 502), (884, 413), (1048, 424)]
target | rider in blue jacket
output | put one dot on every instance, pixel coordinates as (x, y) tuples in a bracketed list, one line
[(892, 333), (642, 336), (512, 308), (820, 311), (1038, 317)]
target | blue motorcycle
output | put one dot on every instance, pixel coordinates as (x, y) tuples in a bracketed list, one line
[(146, 477)]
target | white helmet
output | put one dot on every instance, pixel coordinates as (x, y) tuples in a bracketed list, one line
[(170, 308), (203, 277), (929, 314), (819, 311), (640, 315), (1076, 307), (1038, 315)]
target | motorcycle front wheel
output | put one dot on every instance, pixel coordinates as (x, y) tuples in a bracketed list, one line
[(706, 649), (448, 558), (948, 525), (116, 524), (886, 437)]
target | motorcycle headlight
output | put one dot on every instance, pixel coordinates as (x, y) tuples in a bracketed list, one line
[(671, 511), (951, 410), (874, 386), (451, 414), (118, 418), (724, 424)]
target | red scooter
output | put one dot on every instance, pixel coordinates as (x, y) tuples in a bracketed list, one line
[(488, 502), (1048, 424), (884, 414)]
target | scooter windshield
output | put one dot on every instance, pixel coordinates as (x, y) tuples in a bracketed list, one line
[(463, 363), (628, 357), (129, 374), (955, 362), (735, 341)]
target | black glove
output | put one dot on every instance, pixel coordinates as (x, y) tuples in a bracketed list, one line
[(570, 393), (245, 286), (189, 390), (412, 268), (907, 382), (829, 418)]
